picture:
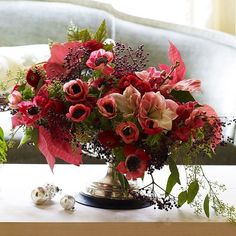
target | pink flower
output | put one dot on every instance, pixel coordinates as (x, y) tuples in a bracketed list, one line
[(14, 99), (155, 107), (181, 130), (29, 113), (128, 103), (128, 131), (141, 85), (150, 127), (78, 112), (207, 115), (135, 164), (76, 90), (107, 106), (99, 60)]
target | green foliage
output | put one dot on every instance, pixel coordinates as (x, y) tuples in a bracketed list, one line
[(153, 140), (55, 90), (182, 198), (101, 33), (27, 93), (3, 147), (118, 153), (27, 136), (173, 178), (193, 189), (124, 183), (182, 96), (206, 206), (35, 137), (76, 34)]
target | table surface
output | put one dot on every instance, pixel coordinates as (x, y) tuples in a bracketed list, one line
[(18, 180)]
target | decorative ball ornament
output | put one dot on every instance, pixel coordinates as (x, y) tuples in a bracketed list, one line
[(68, 202), (42, 194), (39, 196), (51, 190)]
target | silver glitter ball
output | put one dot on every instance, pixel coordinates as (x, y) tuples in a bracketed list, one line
[(39, 196), (68, 202), (51, 190)]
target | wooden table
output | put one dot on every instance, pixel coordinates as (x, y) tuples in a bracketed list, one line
[(19, 216)]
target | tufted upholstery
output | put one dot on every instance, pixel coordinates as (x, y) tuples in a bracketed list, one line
[(209, 56)]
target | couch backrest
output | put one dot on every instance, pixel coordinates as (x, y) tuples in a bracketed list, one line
[(210, 56)]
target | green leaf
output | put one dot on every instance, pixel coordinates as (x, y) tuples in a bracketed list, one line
[(101, 33), (182, 198), (84, 35), (182, 96), (192, 191), (1, 134), (108, 47), (26, 137), (124, 182), (35, 137), (76, 34), (3, 147), (170, 184), (174, 170), (206, 206)]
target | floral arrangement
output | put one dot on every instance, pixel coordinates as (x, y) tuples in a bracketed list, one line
[(97, 96)]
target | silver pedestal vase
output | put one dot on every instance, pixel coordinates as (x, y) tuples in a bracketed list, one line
[(108, 193)]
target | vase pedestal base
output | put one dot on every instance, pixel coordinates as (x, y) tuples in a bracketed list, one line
[(106, 203)]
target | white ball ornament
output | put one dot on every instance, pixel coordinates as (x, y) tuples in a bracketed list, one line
[(39, 196), (68, 202)]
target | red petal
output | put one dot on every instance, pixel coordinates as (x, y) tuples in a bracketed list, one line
[(129, 149), (121, 168), (174, 55)]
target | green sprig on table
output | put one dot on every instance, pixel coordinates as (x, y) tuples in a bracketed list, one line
[(3, 147)]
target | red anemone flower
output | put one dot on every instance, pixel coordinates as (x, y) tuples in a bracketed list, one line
[(108, 139), (78, 112), (135, 164)]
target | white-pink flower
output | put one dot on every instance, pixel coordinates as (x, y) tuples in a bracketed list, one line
[(99, 60), (150, 74), (14, 99), (128, 102), (155, 107)]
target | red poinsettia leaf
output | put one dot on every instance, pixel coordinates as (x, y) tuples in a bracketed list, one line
[(174, 56), (52, 148), (189, 85), (44, 143), (164, 67)]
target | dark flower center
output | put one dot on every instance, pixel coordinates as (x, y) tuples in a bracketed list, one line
[(78, 113), (133, 163), (150, 124), (33, 111), (76, 88), (109, 108), (101, 60), (127, 131)]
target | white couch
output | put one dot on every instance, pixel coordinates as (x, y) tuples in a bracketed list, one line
[(210, 56)]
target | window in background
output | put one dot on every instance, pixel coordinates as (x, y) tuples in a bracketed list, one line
[(213, 14)]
